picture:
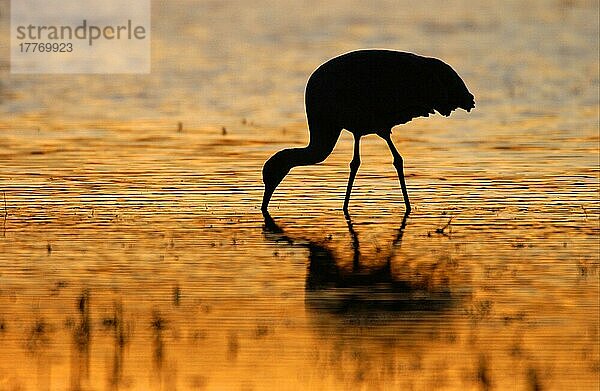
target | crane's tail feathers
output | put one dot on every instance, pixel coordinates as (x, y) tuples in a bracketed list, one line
[(454, 94), (456, 98), (468, 103)]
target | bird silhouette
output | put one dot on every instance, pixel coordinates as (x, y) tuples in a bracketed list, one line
[(368, 92)]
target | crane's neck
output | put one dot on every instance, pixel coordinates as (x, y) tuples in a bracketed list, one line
[(306, 156), (280, 164)]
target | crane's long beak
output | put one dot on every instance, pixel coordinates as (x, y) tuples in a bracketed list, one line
[(266, 198)]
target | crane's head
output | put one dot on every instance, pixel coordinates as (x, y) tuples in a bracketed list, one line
[(274, 170)]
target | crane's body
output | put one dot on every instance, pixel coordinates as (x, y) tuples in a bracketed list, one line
[(368, 92), (371, 91)]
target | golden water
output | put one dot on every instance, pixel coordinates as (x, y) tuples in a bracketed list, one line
[(133, 255)]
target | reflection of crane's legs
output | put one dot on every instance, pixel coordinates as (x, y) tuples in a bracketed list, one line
[(398, 239), (399, 164), (355, 244), (354, 164)]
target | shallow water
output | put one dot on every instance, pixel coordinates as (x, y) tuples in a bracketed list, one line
[(134, 255)]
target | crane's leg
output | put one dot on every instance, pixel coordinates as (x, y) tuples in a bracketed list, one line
[(354, 164), (399, 164)]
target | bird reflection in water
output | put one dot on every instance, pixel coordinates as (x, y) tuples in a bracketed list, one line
[(363, 290)]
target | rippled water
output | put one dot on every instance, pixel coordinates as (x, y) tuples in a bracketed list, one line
[(133, 254)]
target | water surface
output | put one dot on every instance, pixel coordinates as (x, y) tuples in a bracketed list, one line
[(133, 254)]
